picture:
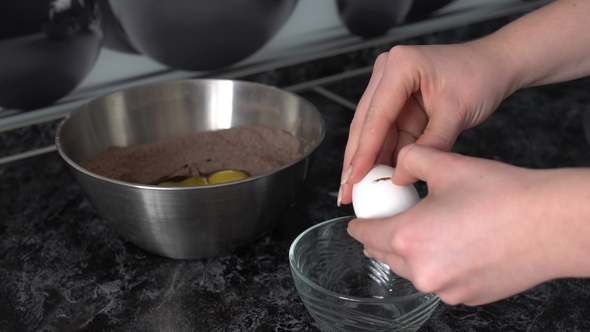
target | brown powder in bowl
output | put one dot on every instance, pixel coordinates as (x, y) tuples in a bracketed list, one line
[(255, 149)]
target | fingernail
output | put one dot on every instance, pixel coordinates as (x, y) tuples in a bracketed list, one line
[(346, 175), (339, 199), (348, 231), (366, 253)]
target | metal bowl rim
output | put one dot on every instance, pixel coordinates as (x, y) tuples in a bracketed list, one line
[(79, 168)]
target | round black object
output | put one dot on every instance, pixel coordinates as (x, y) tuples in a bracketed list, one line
[(200, 34), (421, 8), (114, 37), (372, 18), (47, 47)]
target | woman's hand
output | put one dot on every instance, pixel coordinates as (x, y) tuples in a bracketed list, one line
[(429, 94), (423, 94), (486, 230)]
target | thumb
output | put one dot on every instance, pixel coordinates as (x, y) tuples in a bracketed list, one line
[(419, 162), (441, 132)]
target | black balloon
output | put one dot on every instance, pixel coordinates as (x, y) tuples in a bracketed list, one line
[(372, 18), (200, 34), (421, 8), (47, 47)]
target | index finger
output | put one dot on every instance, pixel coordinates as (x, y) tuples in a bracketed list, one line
[(359, 116), (386, 102)]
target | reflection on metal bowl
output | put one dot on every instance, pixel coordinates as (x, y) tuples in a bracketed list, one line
[(46, 49), (372, 18), (200, 35), (189, 222)]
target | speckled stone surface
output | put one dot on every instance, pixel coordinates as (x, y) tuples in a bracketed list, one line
[(62, 268)]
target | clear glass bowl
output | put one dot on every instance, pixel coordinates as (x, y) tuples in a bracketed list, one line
[(346, 291)]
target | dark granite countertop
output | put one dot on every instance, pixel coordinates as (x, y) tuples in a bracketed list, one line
[(62, 268)]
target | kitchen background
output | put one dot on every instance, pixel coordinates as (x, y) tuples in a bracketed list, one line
[(63, 269), (51, 83)]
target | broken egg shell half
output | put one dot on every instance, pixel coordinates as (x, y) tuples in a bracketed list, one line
[(375, 196)]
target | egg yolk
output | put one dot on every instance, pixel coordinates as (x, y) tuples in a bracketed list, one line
[(217, 177), (226, 176)]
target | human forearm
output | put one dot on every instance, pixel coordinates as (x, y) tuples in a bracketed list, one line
[(564, 220), (549, 45), (429, 94)]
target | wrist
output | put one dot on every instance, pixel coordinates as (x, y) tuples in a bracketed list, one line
[(507, 71)]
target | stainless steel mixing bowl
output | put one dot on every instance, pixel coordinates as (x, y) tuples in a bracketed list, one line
[(190, 222)]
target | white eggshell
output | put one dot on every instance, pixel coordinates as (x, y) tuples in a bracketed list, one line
[(375, 196)]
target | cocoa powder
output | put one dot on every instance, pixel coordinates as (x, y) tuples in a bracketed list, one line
[(255, 149)]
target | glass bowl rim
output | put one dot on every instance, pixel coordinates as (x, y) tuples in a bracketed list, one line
[(350, 298)]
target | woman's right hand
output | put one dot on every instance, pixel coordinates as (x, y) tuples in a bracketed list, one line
[(425, 95)]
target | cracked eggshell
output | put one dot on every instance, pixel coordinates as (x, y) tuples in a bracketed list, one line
[(375, 196)]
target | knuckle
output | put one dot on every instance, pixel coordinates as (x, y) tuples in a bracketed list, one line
[(400, 243), (396, 55), (426, 282), (423, 285), (381, 59), (357, 121), (451, 298), (460, 294), (398, 50), (401, 53), (405, 241), (373, 114)]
